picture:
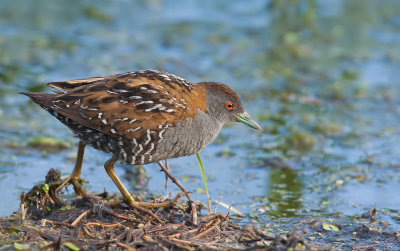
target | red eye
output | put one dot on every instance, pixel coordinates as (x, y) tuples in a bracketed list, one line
[(229, 105)]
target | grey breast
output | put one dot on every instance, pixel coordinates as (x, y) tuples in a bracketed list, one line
[(188, 137)]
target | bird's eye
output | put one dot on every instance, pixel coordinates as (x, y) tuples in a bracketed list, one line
[(229, 105)]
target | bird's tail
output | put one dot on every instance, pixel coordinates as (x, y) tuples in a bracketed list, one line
[(42, 99)]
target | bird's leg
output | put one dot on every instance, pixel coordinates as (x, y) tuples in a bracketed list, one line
[(176, 181), (127, 197), (76, 173)]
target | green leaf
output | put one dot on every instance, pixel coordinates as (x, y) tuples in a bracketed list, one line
[(19, 246), (46, 188), (70, 246), (203, 175), (329, 227), (326, 226)]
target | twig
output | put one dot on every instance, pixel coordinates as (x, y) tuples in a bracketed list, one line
[(58, 189), (186, 242), (148, 212), (80, 217), (112, 212), (166, 176), (102, 225), (164, 227), (123, 245), (176, 181), (217, 222), (23, 211), (216, 207), (179, 245), (87, 231), (45, 221)]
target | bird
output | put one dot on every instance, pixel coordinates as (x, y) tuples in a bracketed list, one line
[(140, 117)]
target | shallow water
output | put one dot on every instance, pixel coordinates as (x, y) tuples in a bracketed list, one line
[(321, 77)]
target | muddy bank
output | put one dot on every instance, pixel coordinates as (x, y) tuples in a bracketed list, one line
[(102, 221)]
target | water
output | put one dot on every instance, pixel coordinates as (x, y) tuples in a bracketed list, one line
[(321, 77)]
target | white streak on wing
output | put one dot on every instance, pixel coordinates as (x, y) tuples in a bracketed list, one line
[(120, 90), (133, 130), (152, 91), (67, 105), (140, 149), (123, 153), (170, 110), (135, 97), (92, 109), (123, 119), (99, 115), (104, 121), (180, 105), (113, 130), (151, 149), (152, 108), (148, 137), (133, 120), (143, 88), (160, 135), (144, 102), (77, 102)]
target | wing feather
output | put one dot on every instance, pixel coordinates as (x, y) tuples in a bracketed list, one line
[(126, 104)]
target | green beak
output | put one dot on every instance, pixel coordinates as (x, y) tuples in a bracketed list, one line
[(247, 120)]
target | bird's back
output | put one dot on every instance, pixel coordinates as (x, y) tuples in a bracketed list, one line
[(140, 117)]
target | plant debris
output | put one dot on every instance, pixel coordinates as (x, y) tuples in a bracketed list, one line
[(43, 222)]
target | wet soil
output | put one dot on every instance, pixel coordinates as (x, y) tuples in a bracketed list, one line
[(101, 221)]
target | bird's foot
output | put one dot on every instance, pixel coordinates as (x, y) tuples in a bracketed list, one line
[(77, 184)]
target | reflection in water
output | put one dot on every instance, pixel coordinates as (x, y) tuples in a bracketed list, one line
[(285, 190), (136, 176)]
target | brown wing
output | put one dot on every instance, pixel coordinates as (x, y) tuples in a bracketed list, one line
[(128, 104), (65, 86)]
